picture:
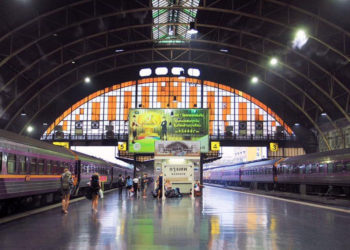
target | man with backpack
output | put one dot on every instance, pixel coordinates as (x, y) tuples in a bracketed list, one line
[(66, 187)]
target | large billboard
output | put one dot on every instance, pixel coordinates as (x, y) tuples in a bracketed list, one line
[(149, 125)]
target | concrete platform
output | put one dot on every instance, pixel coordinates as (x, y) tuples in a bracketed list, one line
[(222, 219)]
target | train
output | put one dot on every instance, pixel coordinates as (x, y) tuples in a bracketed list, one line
[(316, 173), (30, 171)]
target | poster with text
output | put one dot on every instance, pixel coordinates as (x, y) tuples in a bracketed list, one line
[(149, 125)]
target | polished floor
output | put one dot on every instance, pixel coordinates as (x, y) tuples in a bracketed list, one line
[(222, 219)]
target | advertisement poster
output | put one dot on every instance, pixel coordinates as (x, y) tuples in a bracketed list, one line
[(149, 125)]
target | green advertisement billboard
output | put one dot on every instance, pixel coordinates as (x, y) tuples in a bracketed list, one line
[(149, 125)]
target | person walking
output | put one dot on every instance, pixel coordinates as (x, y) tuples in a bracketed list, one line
[(160, 185), (95, 186), (66, 188), (135, 185), (129, 184), (144, 185)]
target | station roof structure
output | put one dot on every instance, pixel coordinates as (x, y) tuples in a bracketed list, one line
[(297, 52)]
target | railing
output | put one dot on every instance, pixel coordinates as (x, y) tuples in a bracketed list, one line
[(124, 137)]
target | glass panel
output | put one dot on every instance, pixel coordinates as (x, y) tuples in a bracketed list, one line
[(11, 164), (49, 167), (41, 166), (22, 164), (347, 166), (33, 165), (339, 167), (330, 167)]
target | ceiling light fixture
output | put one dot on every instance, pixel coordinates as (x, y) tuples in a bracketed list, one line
[(87, 79), (192, 29), (273, 61), (254, 79)]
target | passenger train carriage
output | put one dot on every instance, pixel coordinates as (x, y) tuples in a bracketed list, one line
[(316, 172), (32, 169)]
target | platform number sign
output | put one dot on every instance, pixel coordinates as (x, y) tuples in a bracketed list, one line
[(122, 146), (273, 146), (215, 146)]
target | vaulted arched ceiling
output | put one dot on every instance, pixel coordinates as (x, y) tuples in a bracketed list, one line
[(48, 47)]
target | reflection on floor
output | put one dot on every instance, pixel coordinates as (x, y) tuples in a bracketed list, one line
[(222, 219)]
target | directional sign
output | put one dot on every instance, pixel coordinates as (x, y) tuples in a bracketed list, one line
[(273, 146), (215, 145), (122, 146)]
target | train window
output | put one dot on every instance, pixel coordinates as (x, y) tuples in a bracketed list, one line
[(41, 166), (49, 167), (11, 164), (308, 169), (347, 166), (54, 167), (33, 165), (314, 168), (322, 167), (330, 167), (21, 164), (339, 167)]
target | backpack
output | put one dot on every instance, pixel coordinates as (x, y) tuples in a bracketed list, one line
[(94, 182), (66, 180), (129, 182)]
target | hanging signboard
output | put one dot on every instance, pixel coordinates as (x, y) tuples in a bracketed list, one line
[(177, 148), (62, 144), (149, 125), (215, 146), (273, 146), (122, 146)]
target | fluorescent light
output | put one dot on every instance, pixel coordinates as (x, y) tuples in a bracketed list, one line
[(119, 50), (45, 124), (23, 114), (73, 62), (297, 124), (192, 29), (324, 114), (145, 72), (224, 50), (161, 71), (193, 72)]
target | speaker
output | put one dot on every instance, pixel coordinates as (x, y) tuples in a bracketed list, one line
[(95, 125), (59, 135), (242, 128), (110, 134), (259, 128)]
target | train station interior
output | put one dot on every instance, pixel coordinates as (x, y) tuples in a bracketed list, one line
[(174, 124)]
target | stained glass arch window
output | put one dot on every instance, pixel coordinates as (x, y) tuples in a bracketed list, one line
[(230, 109)]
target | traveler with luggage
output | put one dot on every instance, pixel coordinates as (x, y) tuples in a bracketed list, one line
[(66, 188), (144, 185)]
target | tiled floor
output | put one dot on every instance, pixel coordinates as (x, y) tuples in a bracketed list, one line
[(223, 219)]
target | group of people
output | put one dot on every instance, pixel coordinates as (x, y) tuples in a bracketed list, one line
[(67, 185), (135, 185)]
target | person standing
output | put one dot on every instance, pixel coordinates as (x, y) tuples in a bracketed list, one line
[(66, 187), (144, 185), (135, 185), (95, 186), (129, 184), (160, 185), (164, 130)]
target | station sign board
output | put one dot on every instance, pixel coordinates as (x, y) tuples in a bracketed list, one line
[(122, 146), (273, 146), (61, 143), (146, 126)]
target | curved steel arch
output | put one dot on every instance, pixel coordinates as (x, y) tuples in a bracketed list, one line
[(195, 63), (148, 25), (235, 12), (202, 41)]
